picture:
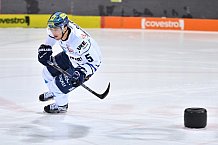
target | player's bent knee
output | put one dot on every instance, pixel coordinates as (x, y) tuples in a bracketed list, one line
[(63, 83)]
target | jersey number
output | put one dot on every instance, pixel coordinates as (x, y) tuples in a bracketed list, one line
[(89, 58)]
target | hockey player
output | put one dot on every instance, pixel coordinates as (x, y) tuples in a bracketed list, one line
[(80, 57)]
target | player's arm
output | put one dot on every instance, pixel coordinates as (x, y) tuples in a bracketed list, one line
[(92, 62), (86, 69), (90, 59)]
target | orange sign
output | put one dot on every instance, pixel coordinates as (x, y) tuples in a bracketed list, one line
[(159, 23)]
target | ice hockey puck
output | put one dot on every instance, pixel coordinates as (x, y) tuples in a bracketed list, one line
[(195, 117)]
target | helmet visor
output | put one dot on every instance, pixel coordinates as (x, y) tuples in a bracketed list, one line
[(53, 32)]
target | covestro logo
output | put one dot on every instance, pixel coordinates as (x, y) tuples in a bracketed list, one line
[(173, 24), (15, 20)]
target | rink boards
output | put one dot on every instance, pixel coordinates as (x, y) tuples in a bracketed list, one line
[(40, 21)]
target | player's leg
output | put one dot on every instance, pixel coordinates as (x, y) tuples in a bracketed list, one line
[(58, 85), (49, 73), (62, 60), (61, 99)]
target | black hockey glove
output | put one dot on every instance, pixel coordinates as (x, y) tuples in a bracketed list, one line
[(45, 54), (78, 76)]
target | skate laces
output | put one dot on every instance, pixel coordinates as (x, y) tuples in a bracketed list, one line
[(48, 94), (54, 106)]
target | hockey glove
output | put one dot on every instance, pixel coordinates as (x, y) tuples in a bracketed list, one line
[(45, 54), (78, 76)]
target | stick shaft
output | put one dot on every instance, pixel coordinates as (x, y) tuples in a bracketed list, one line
[(101, 96)]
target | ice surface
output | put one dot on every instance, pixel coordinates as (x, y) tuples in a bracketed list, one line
[(154, 76)]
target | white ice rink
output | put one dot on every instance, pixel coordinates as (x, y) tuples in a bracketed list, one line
[(154, 76)]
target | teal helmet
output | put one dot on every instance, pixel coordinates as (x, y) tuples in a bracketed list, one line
[(58, 19)]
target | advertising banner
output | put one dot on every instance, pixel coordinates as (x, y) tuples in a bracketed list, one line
[(164, 24), (40, 20), (148, 23), (26, 21)]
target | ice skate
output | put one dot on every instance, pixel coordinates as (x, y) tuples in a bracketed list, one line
[(46, 96), (54, 108)]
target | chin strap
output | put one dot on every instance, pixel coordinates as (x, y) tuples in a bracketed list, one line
[(63, 33)]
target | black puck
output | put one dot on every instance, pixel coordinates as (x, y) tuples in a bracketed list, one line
[(195, 117)]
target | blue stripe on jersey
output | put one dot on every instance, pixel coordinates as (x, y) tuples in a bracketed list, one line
[(92, 67)]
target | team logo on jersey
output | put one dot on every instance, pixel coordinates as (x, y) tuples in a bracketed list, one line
[(83, 36), (82, 45), (69, 48)]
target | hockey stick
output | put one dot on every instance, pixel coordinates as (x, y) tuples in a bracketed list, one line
[(101, 96)]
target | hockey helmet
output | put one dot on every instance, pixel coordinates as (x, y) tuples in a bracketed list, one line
[(58, 19)]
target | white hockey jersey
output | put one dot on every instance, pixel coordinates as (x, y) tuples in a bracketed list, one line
[(81, 49)]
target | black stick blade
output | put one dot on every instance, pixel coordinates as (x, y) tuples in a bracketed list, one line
[(102, 96)]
